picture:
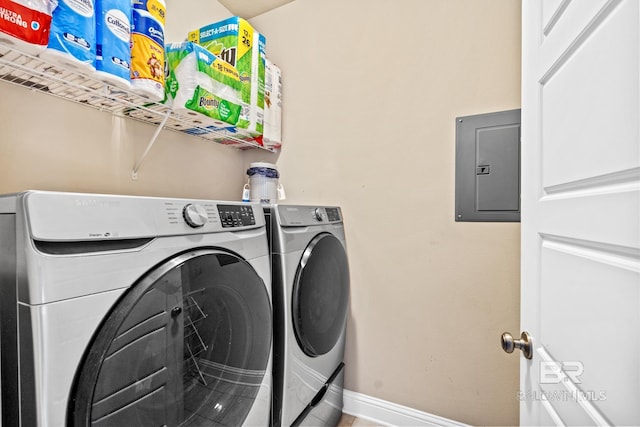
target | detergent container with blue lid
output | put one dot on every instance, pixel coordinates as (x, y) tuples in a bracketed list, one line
[(263, 183)]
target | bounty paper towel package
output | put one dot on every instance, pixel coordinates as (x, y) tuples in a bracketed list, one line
[(147, 48), (235, 41), (113, 37), (256, 105), (200, 82), (72, 38), (25, 24), (272, 136)]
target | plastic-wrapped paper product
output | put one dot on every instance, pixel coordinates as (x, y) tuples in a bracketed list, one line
[(147, 48), (25, 24), (113, 38), (72, 39), (201, 83), (272, 137), (254, 122), (235, 41)]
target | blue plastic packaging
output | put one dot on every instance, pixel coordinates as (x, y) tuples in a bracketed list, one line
[(72, 37), (113, 38)]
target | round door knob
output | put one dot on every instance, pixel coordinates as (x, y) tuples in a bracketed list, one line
[(524, 343)]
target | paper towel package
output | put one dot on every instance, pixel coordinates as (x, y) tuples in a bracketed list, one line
[(200, 82), (113, 37), (235, 41), (256, 105), (147, 48), (72, 38), (225, 135), (25, 24), (272, 137)]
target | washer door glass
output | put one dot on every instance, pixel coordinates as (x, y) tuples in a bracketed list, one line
[(188, 344), (321, 295)]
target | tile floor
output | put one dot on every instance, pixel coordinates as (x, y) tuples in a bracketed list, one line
[(351, 421)]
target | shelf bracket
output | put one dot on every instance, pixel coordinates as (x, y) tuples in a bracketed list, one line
[(134, 173)]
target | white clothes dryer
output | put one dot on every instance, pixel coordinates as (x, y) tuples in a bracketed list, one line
[(133, 311), (310, 276)]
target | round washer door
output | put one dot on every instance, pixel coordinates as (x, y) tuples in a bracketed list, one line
[(321, 295), (188, 344)]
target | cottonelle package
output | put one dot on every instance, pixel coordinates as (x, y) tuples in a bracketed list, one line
[(113, 39), (25, 24), (199, 82), (235, 41)]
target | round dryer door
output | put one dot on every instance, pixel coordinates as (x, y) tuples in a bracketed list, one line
[(188, 344), (321, 295)]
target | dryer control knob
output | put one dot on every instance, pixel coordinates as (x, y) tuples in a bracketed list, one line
[(319, 214), (195, 215)]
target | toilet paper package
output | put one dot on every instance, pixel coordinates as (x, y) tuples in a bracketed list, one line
[(72, 38), (147, 48), (113, 37), (235, 41), (200, 82), (25, 24), (272, 136)]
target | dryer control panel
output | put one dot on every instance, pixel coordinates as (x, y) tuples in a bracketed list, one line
[(308, 215)]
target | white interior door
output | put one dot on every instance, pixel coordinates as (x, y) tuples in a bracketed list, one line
[(581, 212)]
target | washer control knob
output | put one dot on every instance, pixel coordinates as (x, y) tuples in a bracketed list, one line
[(195, 215), (319, 215)]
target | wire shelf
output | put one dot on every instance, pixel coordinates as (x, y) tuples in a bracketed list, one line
[(22, 69)]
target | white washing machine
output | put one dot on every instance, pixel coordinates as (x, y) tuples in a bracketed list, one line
[(310, 275), (133, 311)]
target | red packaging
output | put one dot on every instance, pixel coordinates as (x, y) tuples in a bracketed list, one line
[(23, 23)]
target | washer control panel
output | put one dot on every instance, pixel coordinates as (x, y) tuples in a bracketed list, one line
[(57, 216), (236, 216)]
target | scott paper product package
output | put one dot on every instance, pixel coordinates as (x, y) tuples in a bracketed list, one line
[(72, 39), (113, 37), (235, 41), (147, 48), (25, 24), (200, 82)]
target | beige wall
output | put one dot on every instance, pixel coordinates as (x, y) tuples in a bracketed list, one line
[(371, 90), (51, 144)]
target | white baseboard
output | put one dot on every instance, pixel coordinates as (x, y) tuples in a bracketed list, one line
[(391, 414)]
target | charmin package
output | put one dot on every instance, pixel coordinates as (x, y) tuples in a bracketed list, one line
[(25, 24), (200, 82), (147, 48), (235, 41)]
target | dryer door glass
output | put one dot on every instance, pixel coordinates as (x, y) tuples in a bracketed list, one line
[(321, 295), (188, 344)]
